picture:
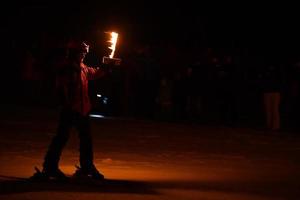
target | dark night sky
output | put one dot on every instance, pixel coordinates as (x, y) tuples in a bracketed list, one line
[(255, 26), (242, 23)]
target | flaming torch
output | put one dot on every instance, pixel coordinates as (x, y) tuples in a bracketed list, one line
[(110, 60)]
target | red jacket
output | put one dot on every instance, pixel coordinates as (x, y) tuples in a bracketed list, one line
[(72, 84)]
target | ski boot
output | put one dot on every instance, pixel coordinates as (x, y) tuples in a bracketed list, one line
[(47, 174), (91, 173)]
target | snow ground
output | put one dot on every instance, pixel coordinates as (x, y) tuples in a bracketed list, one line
[(152, 160)]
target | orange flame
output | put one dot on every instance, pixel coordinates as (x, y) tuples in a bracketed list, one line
[(113, 40)]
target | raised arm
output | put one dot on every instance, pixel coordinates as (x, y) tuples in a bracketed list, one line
[(94, 73)]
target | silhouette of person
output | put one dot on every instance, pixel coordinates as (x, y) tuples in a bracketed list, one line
[(72, 85), (272, 83), (227, 80)]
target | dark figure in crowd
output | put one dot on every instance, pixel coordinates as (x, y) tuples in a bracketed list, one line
[(227, 84), (271, 80)]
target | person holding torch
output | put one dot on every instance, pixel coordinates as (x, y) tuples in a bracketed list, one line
[(72, 85)]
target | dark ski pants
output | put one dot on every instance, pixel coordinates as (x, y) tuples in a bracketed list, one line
[(67, 120)]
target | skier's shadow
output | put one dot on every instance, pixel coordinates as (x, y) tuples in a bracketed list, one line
[(13, 185)]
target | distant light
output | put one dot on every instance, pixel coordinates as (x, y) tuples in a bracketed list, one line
[(99, 95), (97, 116), (105, 100)]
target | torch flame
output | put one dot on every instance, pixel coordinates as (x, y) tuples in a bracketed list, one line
[(113, 41)]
